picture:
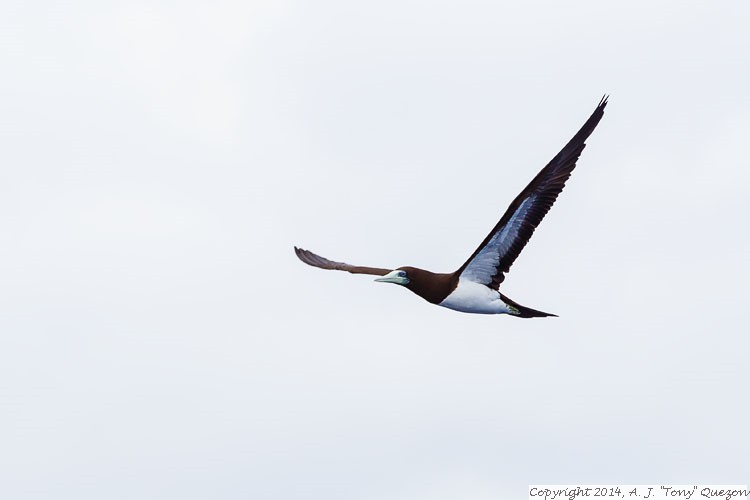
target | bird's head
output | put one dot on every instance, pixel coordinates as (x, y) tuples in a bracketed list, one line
[(430, 286), (398, 276)]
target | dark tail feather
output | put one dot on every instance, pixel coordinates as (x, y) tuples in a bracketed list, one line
[(523, 311)]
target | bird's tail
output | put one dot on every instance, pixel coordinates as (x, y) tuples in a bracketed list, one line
[(520, 311)]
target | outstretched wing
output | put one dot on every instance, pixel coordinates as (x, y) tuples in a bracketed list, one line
[(489, 263), (315, 260)]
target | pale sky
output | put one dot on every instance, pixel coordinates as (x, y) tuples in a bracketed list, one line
[(159, 339)]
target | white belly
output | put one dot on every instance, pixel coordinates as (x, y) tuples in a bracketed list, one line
[(473, 297)]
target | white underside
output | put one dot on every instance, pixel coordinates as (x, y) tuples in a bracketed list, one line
[(472, 297)]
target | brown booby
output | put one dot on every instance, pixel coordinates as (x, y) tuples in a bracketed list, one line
[(473, 288)]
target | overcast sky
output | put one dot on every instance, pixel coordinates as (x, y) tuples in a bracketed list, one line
[(158, 161)]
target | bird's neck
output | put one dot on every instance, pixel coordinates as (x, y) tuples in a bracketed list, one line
[(432, 287)]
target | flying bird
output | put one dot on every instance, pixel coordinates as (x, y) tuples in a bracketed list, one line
[(474, 287)]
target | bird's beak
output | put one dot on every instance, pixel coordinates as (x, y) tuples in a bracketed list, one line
[(393, 277)]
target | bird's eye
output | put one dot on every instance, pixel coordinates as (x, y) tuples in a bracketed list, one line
[(402, 274)]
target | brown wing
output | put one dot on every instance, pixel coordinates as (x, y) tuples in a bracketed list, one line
[(315, 260), (502, 246)]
